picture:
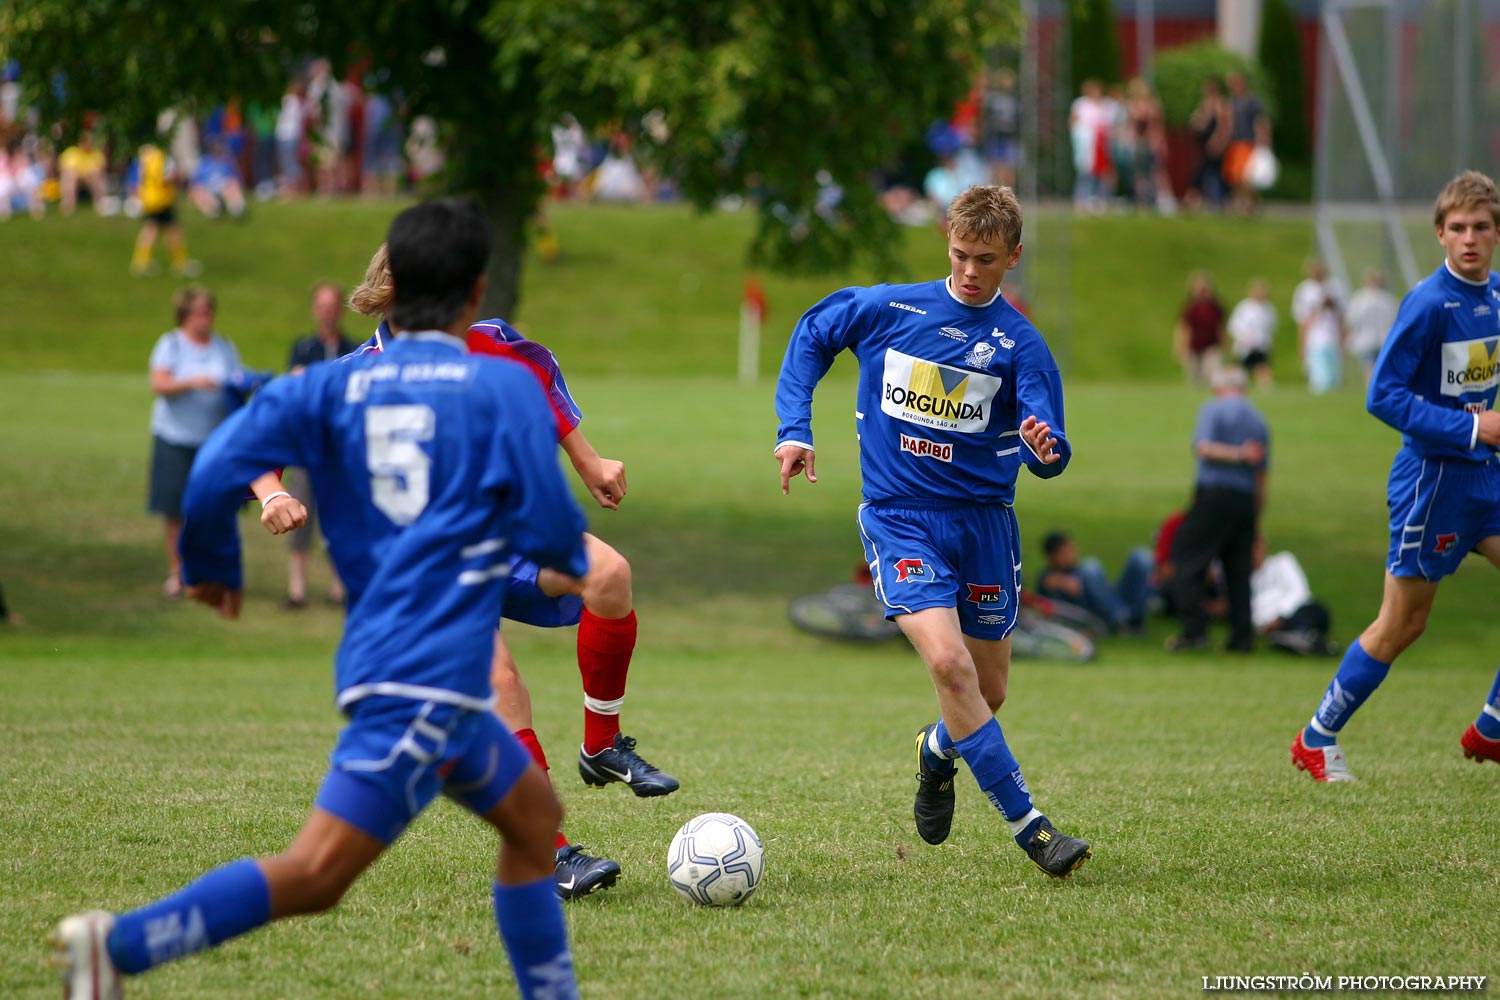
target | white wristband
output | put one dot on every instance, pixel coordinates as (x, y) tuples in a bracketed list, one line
[(273, 496)]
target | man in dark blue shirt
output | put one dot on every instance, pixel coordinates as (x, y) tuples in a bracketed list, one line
[(1232, 444)]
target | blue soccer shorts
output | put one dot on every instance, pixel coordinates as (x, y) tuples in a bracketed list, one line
[(1440, 509), (525, 602), (945, 556), (396, 754)]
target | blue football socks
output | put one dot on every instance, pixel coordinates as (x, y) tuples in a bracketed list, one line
[(1488, 723), (1358, 676), (530, 919), (995, 770), (938, 751), (223, 904)]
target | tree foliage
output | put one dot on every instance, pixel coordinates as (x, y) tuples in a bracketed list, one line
[(1281, 57), (761, 98), (1096, 41)]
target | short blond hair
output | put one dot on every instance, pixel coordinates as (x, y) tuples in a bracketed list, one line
[(1470, 189), (987, 212), (375, 294)]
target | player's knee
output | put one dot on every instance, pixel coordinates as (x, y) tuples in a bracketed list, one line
[(952, 669), (995, 697), (607, 587), (321, 882)]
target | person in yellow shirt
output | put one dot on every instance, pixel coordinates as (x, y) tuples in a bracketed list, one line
[(156, 188), (82, 163)]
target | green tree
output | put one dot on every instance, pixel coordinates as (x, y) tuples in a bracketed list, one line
[(1096, 41), (1281, 57), (766, 97)]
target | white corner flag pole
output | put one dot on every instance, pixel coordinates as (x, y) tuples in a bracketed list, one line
[(749, 364)]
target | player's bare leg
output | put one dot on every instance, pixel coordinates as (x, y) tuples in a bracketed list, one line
[(577, 872), (171, 531)]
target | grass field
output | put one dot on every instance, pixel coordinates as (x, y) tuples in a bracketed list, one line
[(148, 742)]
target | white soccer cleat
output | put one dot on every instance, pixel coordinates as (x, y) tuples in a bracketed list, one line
[(80, 954)]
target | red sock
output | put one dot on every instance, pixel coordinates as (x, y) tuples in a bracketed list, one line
[(604, 649), (534, 747)]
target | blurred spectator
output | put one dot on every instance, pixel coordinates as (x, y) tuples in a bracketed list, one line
[(215, 186), (1089, 122), (1232, 445), (328, 105), (1199, 336), (1164, 573), (1066, 577), (1210, 123), (7, 616), (21, 180), (381, 161), (423, 152), (1249, 130), (1252, 329), (1371, 312), (261, 125), (153, 184), (958, 168), (1322, 345), (1149, 187), (326, 342), (190, 367), (570, 155), (1312, 290), (83, 163), (179, 131), (617, 178), (1283, 608), (1000, 117), (290, 124)]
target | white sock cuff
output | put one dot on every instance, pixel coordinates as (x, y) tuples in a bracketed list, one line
[(1017, 826), (1492, 711), (932, 744), (1321, 729), (601, 707)]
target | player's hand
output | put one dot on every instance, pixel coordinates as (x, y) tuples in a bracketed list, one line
[(205, 382), (1252, 452), (283, 514), (605, 480), (1038, 437), (795, 459), (1489, 428), (217, 596)]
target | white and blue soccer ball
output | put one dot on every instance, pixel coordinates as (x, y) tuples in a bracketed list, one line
[(716, 859)]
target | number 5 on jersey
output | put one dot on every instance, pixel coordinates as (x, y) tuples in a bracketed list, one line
[(398, 465)]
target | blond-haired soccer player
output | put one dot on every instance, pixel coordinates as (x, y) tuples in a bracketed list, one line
[(1434, 381), (957, 390)]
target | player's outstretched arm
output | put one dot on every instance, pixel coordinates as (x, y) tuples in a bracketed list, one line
[(795, 459), (604, 478)]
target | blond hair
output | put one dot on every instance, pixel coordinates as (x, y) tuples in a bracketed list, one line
[(1470, 189), (987, 212), (183, 302), (374, 295)]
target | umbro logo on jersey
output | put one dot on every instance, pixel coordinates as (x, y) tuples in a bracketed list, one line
[(1482, 310), (954, 334), (1005, 341), (910, 309)]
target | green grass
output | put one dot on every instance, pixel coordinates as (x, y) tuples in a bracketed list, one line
[(148, 742), (652, 289)]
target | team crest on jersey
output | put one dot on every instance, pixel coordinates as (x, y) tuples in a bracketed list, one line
[(1005, 341), (980, 355), (953, 333), (1446, 542), (988, 596), (911, 571), (934, 395), (922, 448), (1471, 366)]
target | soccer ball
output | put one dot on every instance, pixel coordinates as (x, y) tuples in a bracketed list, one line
[(716, 860)]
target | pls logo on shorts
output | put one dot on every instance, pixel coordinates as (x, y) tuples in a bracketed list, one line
[(923, 448), (987, 596)]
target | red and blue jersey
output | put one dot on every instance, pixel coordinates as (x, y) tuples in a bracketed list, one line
[(498, 338)]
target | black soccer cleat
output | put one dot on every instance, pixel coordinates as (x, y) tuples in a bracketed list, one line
[(620, 762), (1057, 854), (579, 874), (934, 806)]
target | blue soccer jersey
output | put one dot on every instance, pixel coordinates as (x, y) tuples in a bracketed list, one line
[(433, 467), (1440, 366), (943, 387)]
